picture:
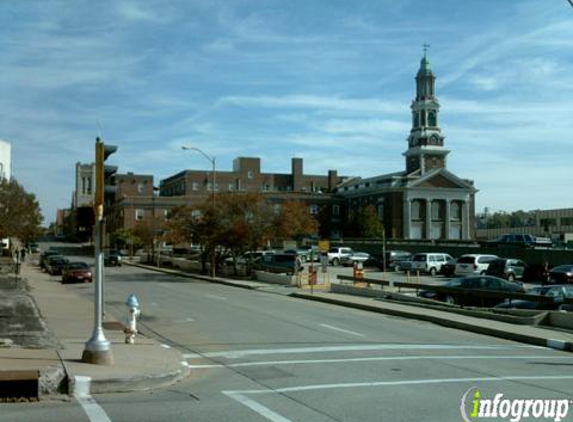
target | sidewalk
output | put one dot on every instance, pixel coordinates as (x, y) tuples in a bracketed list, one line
[(70, 318), (535, 335)]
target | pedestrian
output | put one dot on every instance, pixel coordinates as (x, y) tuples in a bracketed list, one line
[(23, 254)]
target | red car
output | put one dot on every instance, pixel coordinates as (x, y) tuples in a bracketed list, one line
[(76, 272)]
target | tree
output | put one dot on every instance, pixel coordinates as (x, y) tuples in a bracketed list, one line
[(370, 224), (20, 215), (294, 221)]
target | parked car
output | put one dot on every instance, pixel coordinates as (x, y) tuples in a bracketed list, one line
[(55, 264), (430, 263), (336, 254), (405, 266), (76, 272), (355, 257), (521, 240), (278, 263), (303, 254), (558, 292), (249, 256), (449, 267), (471, 264), (33, 247), (45, 255), (395, 258), (466, 297), (112, 258), (307, 253), (510, 269), (561, 274)]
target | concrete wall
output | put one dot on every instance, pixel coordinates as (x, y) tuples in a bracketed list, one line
[(286, 280)]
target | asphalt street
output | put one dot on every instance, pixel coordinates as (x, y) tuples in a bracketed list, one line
[(264, 356)]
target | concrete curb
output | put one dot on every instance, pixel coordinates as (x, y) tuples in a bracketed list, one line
[(446, 322), (130, 384), (233, 283)]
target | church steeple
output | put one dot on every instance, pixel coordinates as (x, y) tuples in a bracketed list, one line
[(426, 143)]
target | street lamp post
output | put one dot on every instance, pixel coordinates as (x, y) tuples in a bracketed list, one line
[(212, 160)]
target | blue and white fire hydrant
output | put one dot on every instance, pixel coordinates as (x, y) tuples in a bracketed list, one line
[(134, 312)]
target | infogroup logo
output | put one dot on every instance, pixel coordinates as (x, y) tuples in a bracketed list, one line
[(475, 407)]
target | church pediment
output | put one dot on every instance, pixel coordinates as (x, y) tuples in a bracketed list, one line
[(441, 179)]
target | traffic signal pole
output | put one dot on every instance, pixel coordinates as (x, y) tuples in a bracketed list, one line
[(97, 349)]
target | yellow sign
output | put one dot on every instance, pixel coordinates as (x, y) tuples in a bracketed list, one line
[(323, 245)]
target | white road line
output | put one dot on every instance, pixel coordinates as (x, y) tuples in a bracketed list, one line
[(371, 359), (236, 354), (403, 382), (342, 330), (216, 297), (94, 411), (257, 407), (240, 395)]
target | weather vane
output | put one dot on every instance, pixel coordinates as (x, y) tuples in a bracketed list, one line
[(425, 46)]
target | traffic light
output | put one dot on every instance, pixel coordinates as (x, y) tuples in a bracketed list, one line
[(104, 186)]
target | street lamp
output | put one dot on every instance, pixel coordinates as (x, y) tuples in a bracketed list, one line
[(212, 160)]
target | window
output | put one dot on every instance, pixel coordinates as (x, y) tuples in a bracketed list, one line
[(314, 209), (231, 186), (276, 209), (139, 214), (336, 210), (436, 210), (455, 211), (195, 186), (432, 121), (140, 187), (416, 210), (250, 174)]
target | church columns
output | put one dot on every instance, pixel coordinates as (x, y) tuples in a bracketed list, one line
[(465, 220), (428, 218), (448, 219), (407, 206)]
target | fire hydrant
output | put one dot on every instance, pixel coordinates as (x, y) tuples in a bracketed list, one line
[(134, 312)]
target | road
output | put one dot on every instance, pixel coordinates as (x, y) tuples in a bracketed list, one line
[(264, 356)]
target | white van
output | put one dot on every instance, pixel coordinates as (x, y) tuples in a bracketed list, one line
[(429, 262), (472, 264)]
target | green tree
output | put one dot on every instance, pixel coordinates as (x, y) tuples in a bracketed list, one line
[(370, 224), (20, 215)]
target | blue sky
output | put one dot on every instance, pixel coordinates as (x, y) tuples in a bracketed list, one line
[(326, 80)]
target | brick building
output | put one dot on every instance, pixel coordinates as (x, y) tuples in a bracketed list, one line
[(423, 202)]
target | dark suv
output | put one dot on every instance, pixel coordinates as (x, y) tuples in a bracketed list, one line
[(278, 263), (112, 258), (395, 258), (510, 269)]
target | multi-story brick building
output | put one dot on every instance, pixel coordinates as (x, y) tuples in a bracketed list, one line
[(424, 201)]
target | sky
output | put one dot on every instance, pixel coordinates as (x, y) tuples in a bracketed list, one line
[(329, 81)]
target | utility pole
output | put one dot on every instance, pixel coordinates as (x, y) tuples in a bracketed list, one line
[(212, 160)]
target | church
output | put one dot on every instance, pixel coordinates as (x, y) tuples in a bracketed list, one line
[(426, 200)]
